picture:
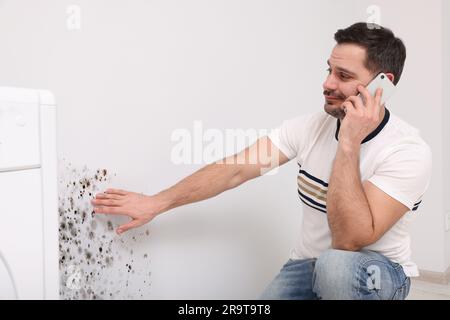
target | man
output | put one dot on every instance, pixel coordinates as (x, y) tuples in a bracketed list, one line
[(360, 177)]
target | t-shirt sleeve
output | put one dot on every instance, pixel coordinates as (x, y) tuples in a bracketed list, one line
[(405, 173), (292, 135)]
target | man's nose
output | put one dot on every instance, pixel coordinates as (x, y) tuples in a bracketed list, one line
[(330, 83)]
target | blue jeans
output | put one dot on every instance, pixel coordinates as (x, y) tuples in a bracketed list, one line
[(338, 274)]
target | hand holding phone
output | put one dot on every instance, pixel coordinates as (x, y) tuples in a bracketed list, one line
[(383, 82)]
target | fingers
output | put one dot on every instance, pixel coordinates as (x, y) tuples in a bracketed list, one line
[(108, 199), (109, 210), (108, 196), (106, 202), (117, 191), (378, 95), (347, 107), (130, 225), (357, 102), (365, 93)]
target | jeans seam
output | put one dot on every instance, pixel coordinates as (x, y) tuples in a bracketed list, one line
[(402, 290)]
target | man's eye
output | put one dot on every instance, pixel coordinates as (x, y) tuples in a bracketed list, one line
[(329, 70), (344, 76)]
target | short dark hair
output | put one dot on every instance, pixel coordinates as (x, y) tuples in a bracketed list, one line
[(385, 52)]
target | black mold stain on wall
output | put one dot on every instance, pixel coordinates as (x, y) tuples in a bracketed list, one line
[(94, 262)]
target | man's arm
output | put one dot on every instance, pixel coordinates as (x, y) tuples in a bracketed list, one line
[(207, 182), (358, 213), (225, 174)]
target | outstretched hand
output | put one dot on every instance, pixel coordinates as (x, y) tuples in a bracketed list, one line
[(139, 207)]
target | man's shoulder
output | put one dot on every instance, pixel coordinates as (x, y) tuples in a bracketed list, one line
[(403, 139), (401, 132), (401, 126)]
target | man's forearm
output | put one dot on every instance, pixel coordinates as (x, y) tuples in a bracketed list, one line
[(349, 214), (205, 183)]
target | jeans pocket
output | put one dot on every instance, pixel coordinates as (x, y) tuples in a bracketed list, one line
[(403, 291)]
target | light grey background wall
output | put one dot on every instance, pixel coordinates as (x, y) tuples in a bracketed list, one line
[(137, 70), (446, 117)]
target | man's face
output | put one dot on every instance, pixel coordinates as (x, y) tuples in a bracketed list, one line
[(346, 72)]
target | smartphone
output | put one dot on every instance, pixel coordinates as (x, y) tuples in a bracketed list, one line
[(381, 81)]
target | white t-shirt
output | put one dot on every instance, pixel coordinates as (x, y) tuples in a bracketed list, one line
[(393, 157)]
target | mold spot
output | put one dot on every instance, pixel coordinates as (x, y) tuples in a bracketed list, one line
[(90, 252)]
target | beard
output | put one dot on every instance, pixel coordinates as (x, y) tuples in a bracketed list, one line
[(334, 107), (334, 110)]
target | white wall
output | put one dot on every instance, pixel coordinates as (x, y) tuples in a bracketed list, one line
[(137, 70), (446, 112)]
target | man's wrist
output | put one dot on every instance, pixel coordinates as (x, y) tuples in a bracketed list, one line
[(349, 147), (162, 202)]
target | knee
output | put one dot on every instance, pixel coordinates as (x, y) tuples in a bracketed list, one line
[(335, 263), (335, 274)]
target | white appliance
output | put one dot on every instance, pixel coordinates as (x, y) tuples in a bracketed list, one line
[(28, 195)]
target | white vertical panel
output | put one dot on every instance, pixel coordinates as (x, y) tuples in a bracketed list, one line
[(21, 236), (49, 199)]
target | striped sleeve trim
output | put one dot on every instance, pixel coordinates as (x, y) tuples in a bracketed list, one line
[(416, 205)]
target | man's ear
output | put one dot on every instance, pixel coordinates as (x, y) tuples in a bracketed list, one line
[(390, 77)]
